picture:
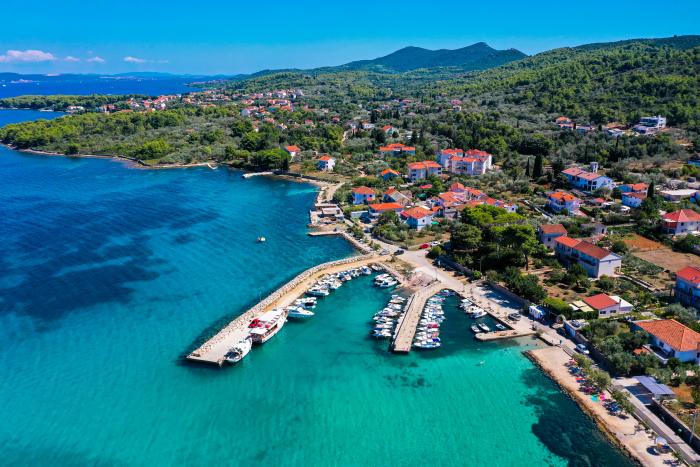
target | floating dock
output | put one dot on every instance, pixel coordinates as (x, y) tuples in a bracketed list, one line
[(216, 347), (409, 322)]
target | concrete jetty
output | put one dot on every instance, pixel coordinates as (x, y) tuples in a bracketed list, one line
[(406, 329), (216, 347)]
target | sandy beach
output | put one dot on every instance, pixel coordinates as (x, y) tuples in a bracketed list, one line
[(622, 431)]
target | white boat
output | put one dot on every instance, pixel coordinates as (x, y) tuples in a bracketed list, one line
[(475, 329), (387, 284), (484, 327), (317, 292), (267, 325), (261, 240), (478, 313), (500, 327), (307, 302), (365, 270), (238, 351), (299, 312)]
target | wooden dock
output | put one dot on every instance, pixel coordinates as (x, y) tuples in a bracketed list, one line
[(216, 347), (406, 330)]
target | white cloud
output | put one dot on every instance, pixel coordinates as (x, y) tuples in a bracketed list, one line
[(26, 56), (71, 59), (96, 59), (130, 59)]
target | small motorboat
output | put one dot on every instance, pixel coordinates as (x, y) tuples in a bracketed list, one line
[(500, 327), (475, 329), (261, 240), (238, 351), (484, 327), (317, 292), (299, 312)]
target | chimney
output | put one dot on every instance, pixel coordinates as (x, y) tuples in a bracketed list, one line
[(594, 167)]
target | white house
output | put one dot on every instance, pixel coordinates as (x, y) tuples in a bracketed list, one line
[(561, 200), (422, 170), (681, 222), (595, 260), (326, 163), (547, 233), (633, 200), (417, 218), (607, 305), (650, 125), (363, 195), (587, 181), (687, 290), (673, 338), (293, 151)]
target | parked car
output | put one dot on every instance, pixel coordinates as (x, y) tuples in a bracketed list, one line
[(581, 348), (424, 246), (435, 243), (399, 252)]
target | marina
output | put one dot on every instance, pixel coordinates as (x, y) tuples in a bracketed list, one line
[(408, 325), (294, 300)]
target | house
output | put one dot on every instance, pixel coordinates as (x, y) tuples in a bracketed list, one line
[(681, 222), (292, 151), (388, 129), (633, 200), (510, 207), (457, 187), (417, 218), (607, 305), (472, 194), (392, 195), (674, 339), (687, 290), (444, 156), (422, 170), (397, 149), (326, 163), (375, 210), (650, 125), (474, 162), (563, 122), (595, 260), (677, 196), (587, 181), (389, 174), (561, 200), (362, 195), (633, 188), (547, 233)]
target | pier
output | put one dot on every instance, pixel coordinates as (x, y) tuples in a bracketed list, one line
[(409, 322), (216, 347)]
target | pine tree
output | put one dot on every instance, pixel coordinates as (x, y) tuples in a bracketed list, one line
[(527, 168), (650, 191), (537, 169)]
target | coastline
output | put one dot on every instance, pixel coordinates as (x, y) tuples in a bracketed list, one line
[(621, 432)]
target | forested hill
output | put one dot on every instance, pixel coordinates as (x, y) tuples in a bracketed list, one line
[(478, 56), (598, 82)]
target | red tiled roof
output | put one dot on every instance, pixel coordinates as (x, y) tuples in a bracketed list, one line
[(549, 229), (573, 171), (424, 165), (600, 301), (562, 195), (397, 147), (448, 197), (689, 274), (636, 186), (673, 333), (635, 195), (363, 190), (589, 175), (389, 171), (456, 186), (452, 152), (567, 241), (325, 157), (684, 215), (592, 250), (385, 207), (293, 149), (416, 213)]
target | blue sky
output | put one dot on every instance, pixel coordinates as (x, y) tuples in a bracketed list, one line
[(50, 36)]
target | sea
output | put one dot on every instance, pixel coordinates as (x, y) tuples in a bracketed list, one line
[(94, 84), (109, 275)]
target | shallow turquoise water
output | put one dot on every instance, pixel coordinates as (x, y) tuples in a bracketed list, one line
[(109, 275)]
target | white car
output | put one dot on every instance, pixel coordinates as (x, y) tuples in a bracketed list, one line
[(581, 348)]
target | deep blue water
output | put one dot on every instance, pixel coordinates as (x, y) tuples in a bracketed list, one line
[(82, 85), (109, 275)]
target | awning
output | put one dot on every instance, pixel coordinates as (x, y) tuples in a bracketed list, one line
[(654, 387)]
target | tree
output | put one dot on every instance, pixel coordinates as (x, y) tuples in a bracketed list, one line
[(583, 362), (527, 168), (623, 401), (651, 190), (465, 238), (537, 169), (600, 379)]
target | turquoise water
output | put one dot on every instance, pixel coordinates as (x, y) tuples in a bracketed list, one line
[(109, 275)]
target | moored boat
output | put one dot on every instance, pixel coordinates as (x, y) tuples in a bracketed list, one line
[(238, 351), (267, 325)]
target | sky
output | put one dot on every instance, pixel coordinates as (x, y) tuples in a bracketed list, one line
[(229, 37)]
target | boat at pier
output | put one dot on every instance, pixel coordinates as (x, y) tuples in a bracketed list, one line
[(484, 327), (267, 325), (299, 312), (238, 351)]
